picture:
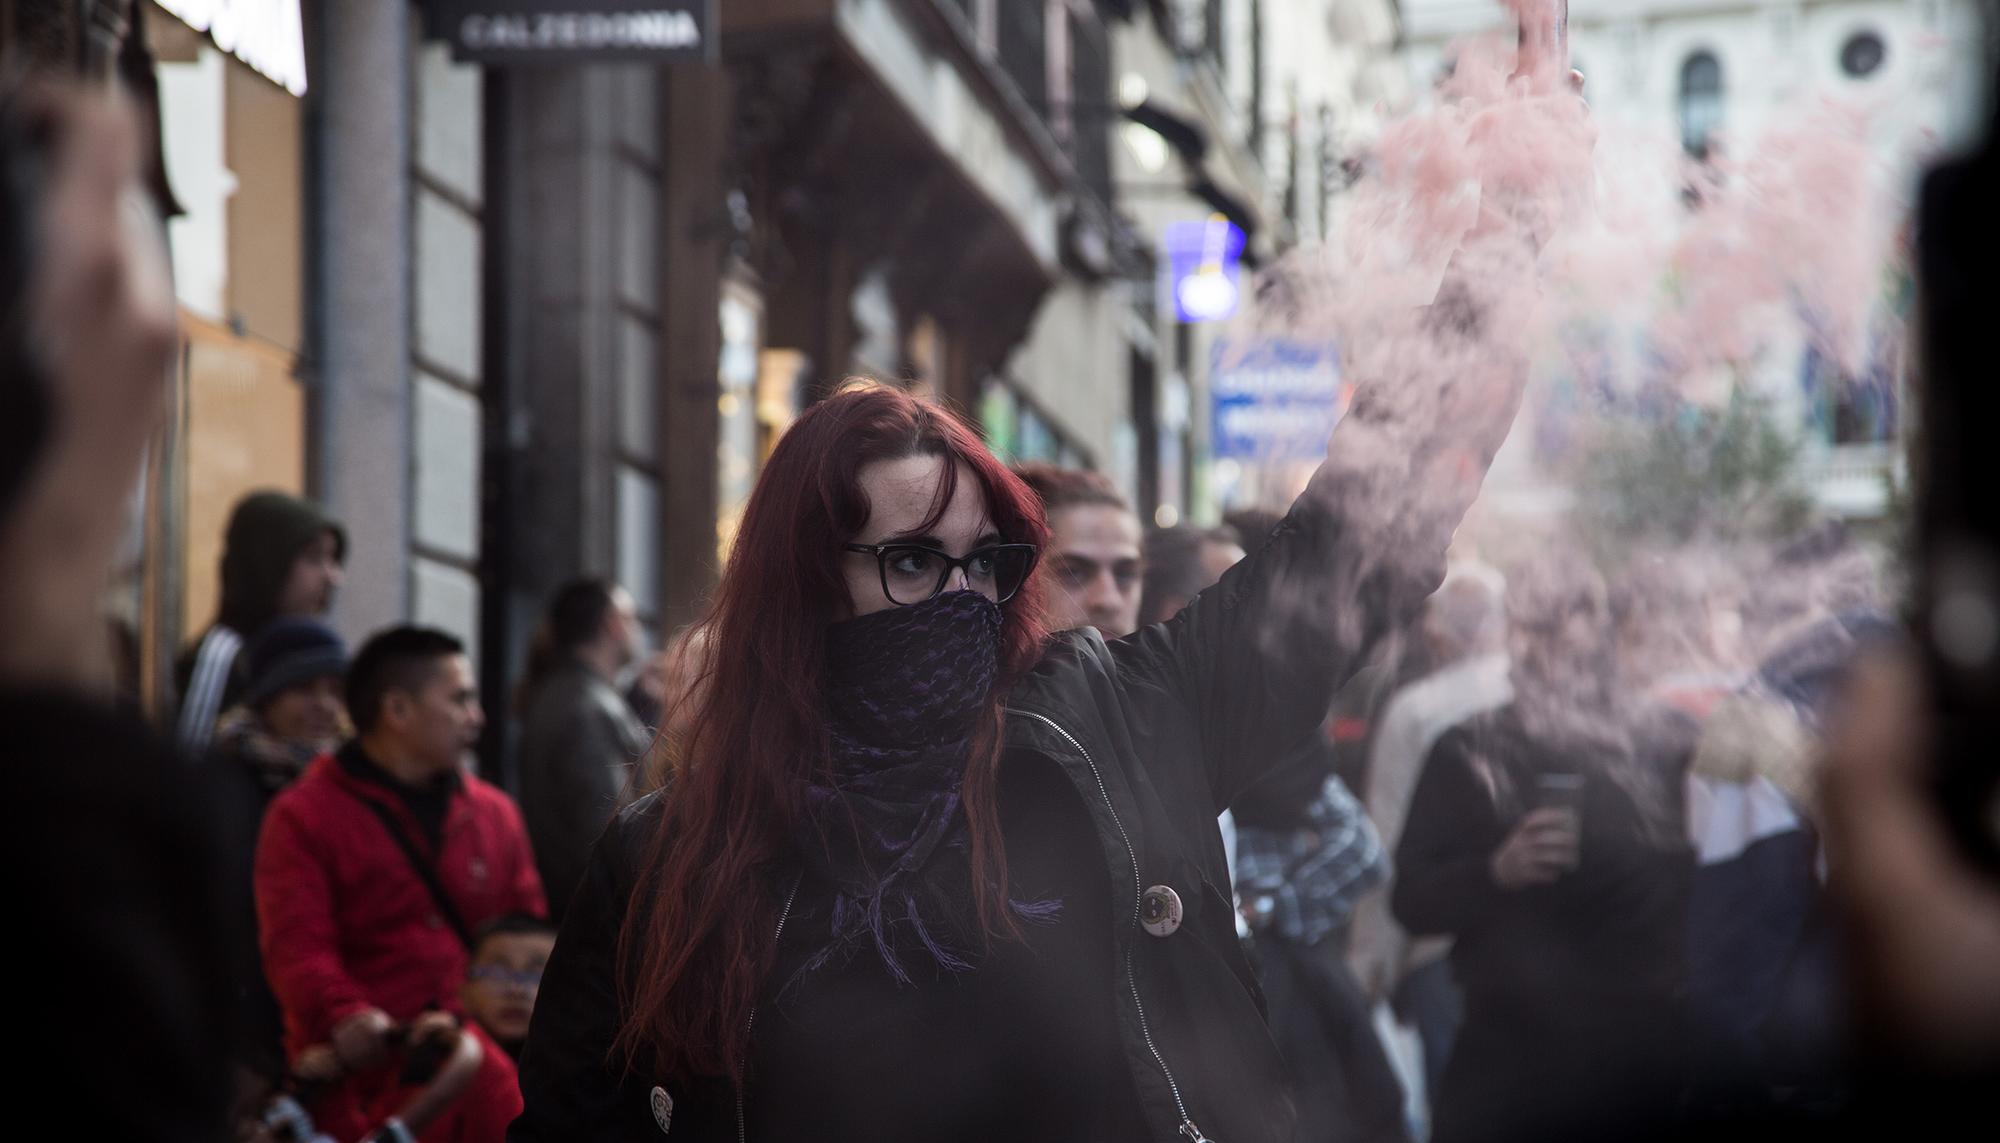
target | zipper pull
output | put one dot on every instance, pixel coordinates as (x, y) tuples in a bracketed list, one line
[(1193, 1133)]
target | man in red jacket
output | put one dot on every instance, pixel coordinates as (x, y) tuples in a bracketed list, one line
[(374, 869)]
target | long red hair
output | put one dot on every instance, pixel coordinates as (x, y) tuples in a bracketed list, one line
[(698, 938)]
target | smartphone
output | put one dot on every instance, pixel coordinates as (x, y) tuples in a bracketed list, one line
[(1957, 582), (1556, 790)]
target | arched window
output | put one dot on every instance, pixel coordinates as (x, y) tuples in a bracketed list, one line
[(1701, 101)]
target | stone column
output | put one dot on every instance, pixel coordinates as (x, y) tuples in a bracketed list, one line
[(361, 327)]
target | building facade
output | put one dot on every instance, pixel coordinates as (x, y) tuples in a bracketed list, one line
[(517, 324), (1713, 76)]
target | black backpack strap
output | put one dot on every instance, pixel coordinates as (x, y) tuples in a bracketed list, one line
[(424, 870)]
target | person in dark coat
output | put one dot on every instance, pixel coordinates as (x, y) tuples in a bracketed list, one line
[(579, 739), (292, 712), (924, 872), (281, 556), (1543, 841)]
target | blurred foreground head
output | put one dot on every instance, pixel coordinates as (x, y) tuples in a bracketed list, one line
[(87, 332)]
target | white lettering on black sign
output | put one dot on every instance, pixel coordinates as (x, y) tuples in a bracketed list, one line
[(581, 31)]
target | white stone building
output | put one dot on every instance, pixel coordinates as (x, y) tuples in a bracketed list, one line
[(1714, 75)]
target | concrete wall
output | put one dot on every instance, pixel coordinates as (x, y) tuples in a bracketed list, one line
[(361, 301), (1074, 362)]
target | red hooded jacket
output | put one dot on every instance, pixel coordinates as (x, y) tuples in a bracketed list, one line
[(346, 924)]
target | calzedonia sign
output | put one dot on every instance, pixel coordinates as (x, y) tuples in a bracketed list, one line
[(572, 31)]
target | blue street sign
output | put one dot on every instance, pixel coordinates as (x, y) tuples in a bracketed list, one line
[(1273, 399)]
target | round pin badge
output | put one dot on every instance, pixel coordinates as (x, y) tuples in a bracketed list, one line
[(1160, 913), (663, 1109)]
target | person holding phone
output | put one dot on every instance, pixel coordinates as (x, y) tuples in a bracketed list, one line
[(1543, 838)]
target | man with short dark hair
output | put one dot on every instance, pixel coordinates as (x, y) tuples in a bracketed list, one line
[(1093, 552), (375, 869)]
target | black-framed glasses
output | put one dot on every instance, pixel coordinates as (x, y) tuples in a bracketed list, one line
[(913, 573)]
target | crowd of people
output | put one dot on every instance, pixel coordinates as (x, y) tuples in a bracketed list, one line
[(394, 908), (972, 808)]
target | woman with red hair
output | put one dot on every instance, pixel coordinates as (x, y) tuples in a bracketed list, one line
[(924, 871)]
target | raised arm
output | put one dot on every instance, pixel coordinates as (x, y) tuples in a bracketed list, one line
[(1258, 656)]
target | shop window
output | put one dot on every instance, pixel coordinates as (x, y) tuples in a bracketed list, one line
[(1850, 409), (997, 416), (737, 455), (232, 145), (1016, 430)]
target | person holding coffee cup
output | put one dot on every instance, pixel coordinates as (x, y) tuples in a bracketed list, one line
[(1544, 839)]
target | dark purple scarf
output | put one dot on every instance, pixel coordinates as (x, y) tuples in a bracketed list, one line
[(905, 690)]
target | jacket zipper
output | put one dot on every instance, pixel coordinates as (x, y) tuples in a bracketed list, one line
[(1188, 1128), (784, 915)]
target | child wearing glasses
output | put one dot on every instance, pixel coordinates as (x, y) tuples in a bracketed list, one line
[(506, 972)]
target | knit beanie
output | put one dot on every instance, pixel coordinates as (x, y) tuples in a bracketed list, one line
[(289, 651)]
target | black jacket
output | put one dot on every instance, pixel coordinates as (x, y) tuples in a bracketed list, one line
[(123, 928), (1158, 733)]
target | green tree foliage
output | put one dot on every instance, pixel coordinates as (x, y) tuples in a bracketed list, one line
[(1693, 474)]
